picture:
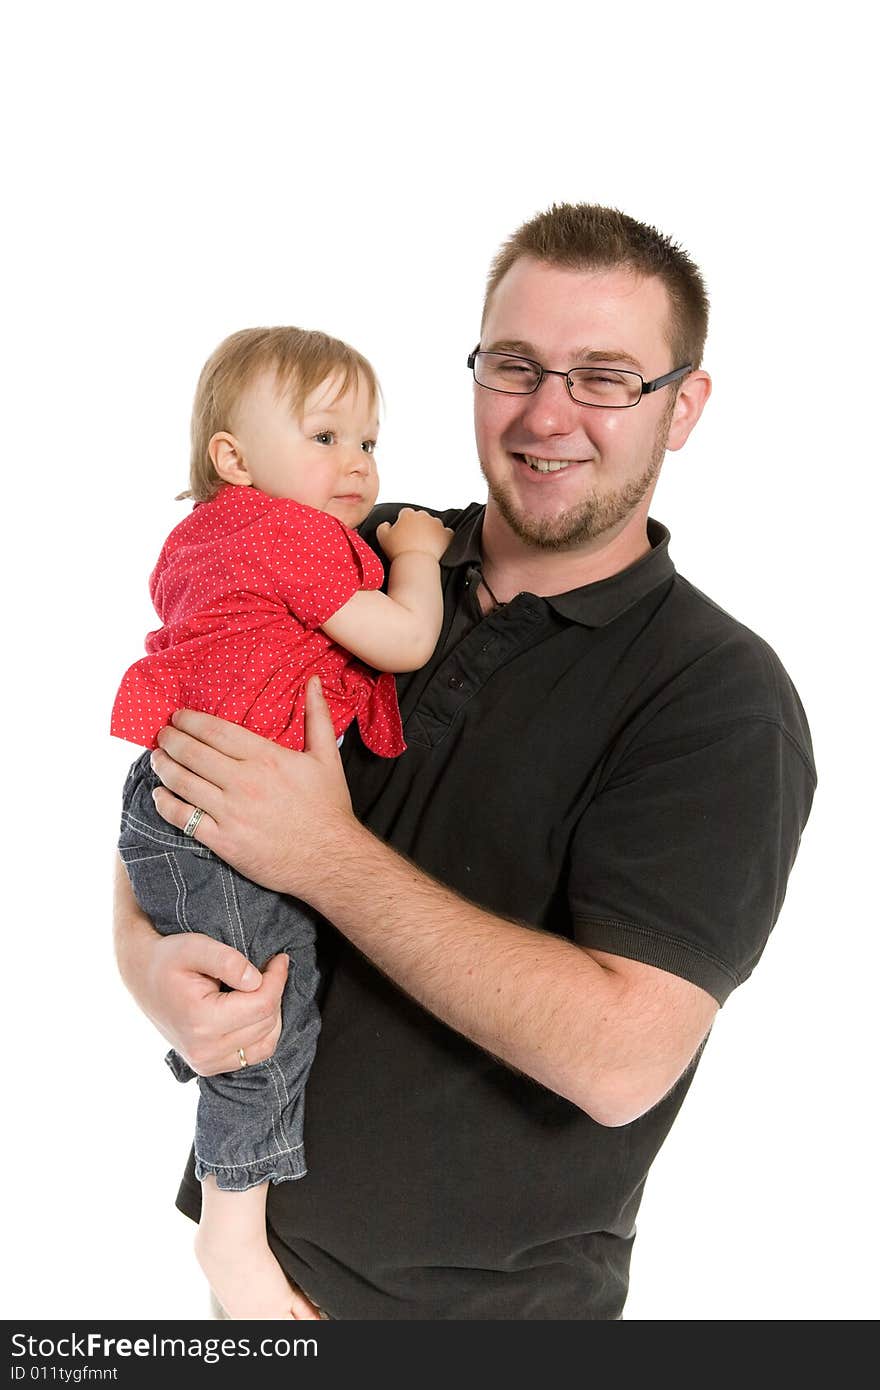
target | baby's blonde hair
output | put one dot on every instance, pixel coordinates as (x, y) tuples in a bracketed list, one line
[(301, 359)]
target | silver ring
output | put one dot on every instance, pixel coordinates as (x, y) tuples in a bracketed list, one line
[(192, 824), (242, 1060)]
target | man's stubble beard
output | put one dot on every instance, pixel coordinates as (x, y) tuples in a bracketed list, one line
[(591, 517)]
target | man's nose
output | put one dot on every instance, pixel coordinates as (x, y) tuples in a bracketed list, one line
[(551, 410)]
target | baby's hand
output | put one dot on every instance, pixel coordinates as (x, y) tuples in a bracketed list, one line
[(414, 531)]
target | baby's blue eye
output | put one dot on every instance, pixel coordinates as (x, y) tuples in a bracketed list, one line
[(325, 437)]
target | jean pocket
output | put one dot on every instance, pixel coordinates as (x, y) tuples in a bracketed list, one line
[(141, 830), (161, 880)]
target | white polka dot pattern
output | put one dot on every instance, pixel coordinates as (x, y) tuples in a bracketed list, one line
[(242, 587)]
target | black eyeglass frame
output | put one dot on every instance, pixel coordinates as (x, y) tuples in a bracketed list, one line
[(647, 386)]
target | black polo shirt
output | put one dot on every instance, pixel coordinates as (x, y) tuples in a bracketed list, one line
[(624, 765)]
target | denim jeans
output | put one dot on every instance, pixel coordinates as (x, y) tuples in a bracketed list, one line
[(249, 1124)]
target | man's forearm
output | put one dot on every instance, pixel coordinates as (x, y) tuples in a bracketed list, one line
[(536, 1001)]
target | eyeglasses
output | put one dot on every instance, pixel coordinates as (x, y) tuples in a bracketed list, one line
[(605, 386)]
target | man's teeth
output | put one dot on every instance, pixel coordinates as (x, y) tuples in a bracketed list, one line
[(547, 465)]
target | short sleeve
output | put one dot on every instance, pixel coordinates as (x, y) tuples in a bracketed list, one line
[(319, 564), (682, 859)]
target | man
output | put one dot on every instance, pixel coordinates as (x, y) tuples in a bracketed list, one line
[(603, 793)]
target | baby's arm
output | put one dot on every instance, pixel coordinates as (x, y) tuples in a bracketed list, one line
[(398, 631)]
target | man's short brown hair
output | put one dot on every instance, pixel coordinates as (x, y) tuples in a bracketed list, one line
[(585, 236), (301, 360)]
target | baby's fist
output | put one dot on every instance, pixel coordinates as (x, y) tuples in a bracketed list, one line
[(414, 530)]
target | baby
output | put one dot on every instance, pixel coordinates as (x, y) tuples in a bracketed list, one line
[(264, 585)]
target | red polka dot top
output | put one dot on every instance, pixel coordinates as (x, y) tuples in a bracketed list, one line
[(242, 587)]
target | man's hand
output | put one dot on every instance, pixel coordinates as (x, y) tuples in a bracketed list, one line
[(414, 531), (176, 982), (268, 810)]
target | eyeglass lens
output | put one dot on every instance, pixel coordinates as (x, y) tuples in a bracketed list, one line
[(589, 385)]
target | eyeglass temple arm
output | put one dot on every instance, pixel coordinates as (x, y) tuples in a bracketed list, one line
[(659, 381)]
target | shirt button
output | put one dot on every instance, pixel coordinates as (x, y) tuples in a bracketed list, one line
[(455, 682)]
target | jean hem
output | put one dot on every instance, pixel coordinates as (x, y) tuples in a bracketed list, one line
[(242, 1177)]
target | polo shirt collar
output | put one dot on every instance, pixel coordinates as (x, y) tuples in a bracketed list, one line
[(593, 605)]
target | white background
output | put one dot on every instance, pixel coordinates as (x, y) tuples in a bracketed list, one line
[(180, 171)]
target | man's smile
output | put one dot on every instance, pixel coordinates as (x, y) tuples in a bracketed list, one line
[(543, 465)]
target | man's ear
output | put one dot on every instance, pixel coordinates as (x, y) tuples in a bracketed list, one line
[(692, 397), (225, 453)]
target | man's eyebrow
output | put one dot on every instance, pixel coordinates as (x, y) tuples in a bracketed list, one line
[(607, 355), (582, 357), (514, 345)]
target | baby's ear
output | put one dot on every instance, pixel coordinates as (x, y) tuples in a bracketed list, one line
[(226, 455)]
